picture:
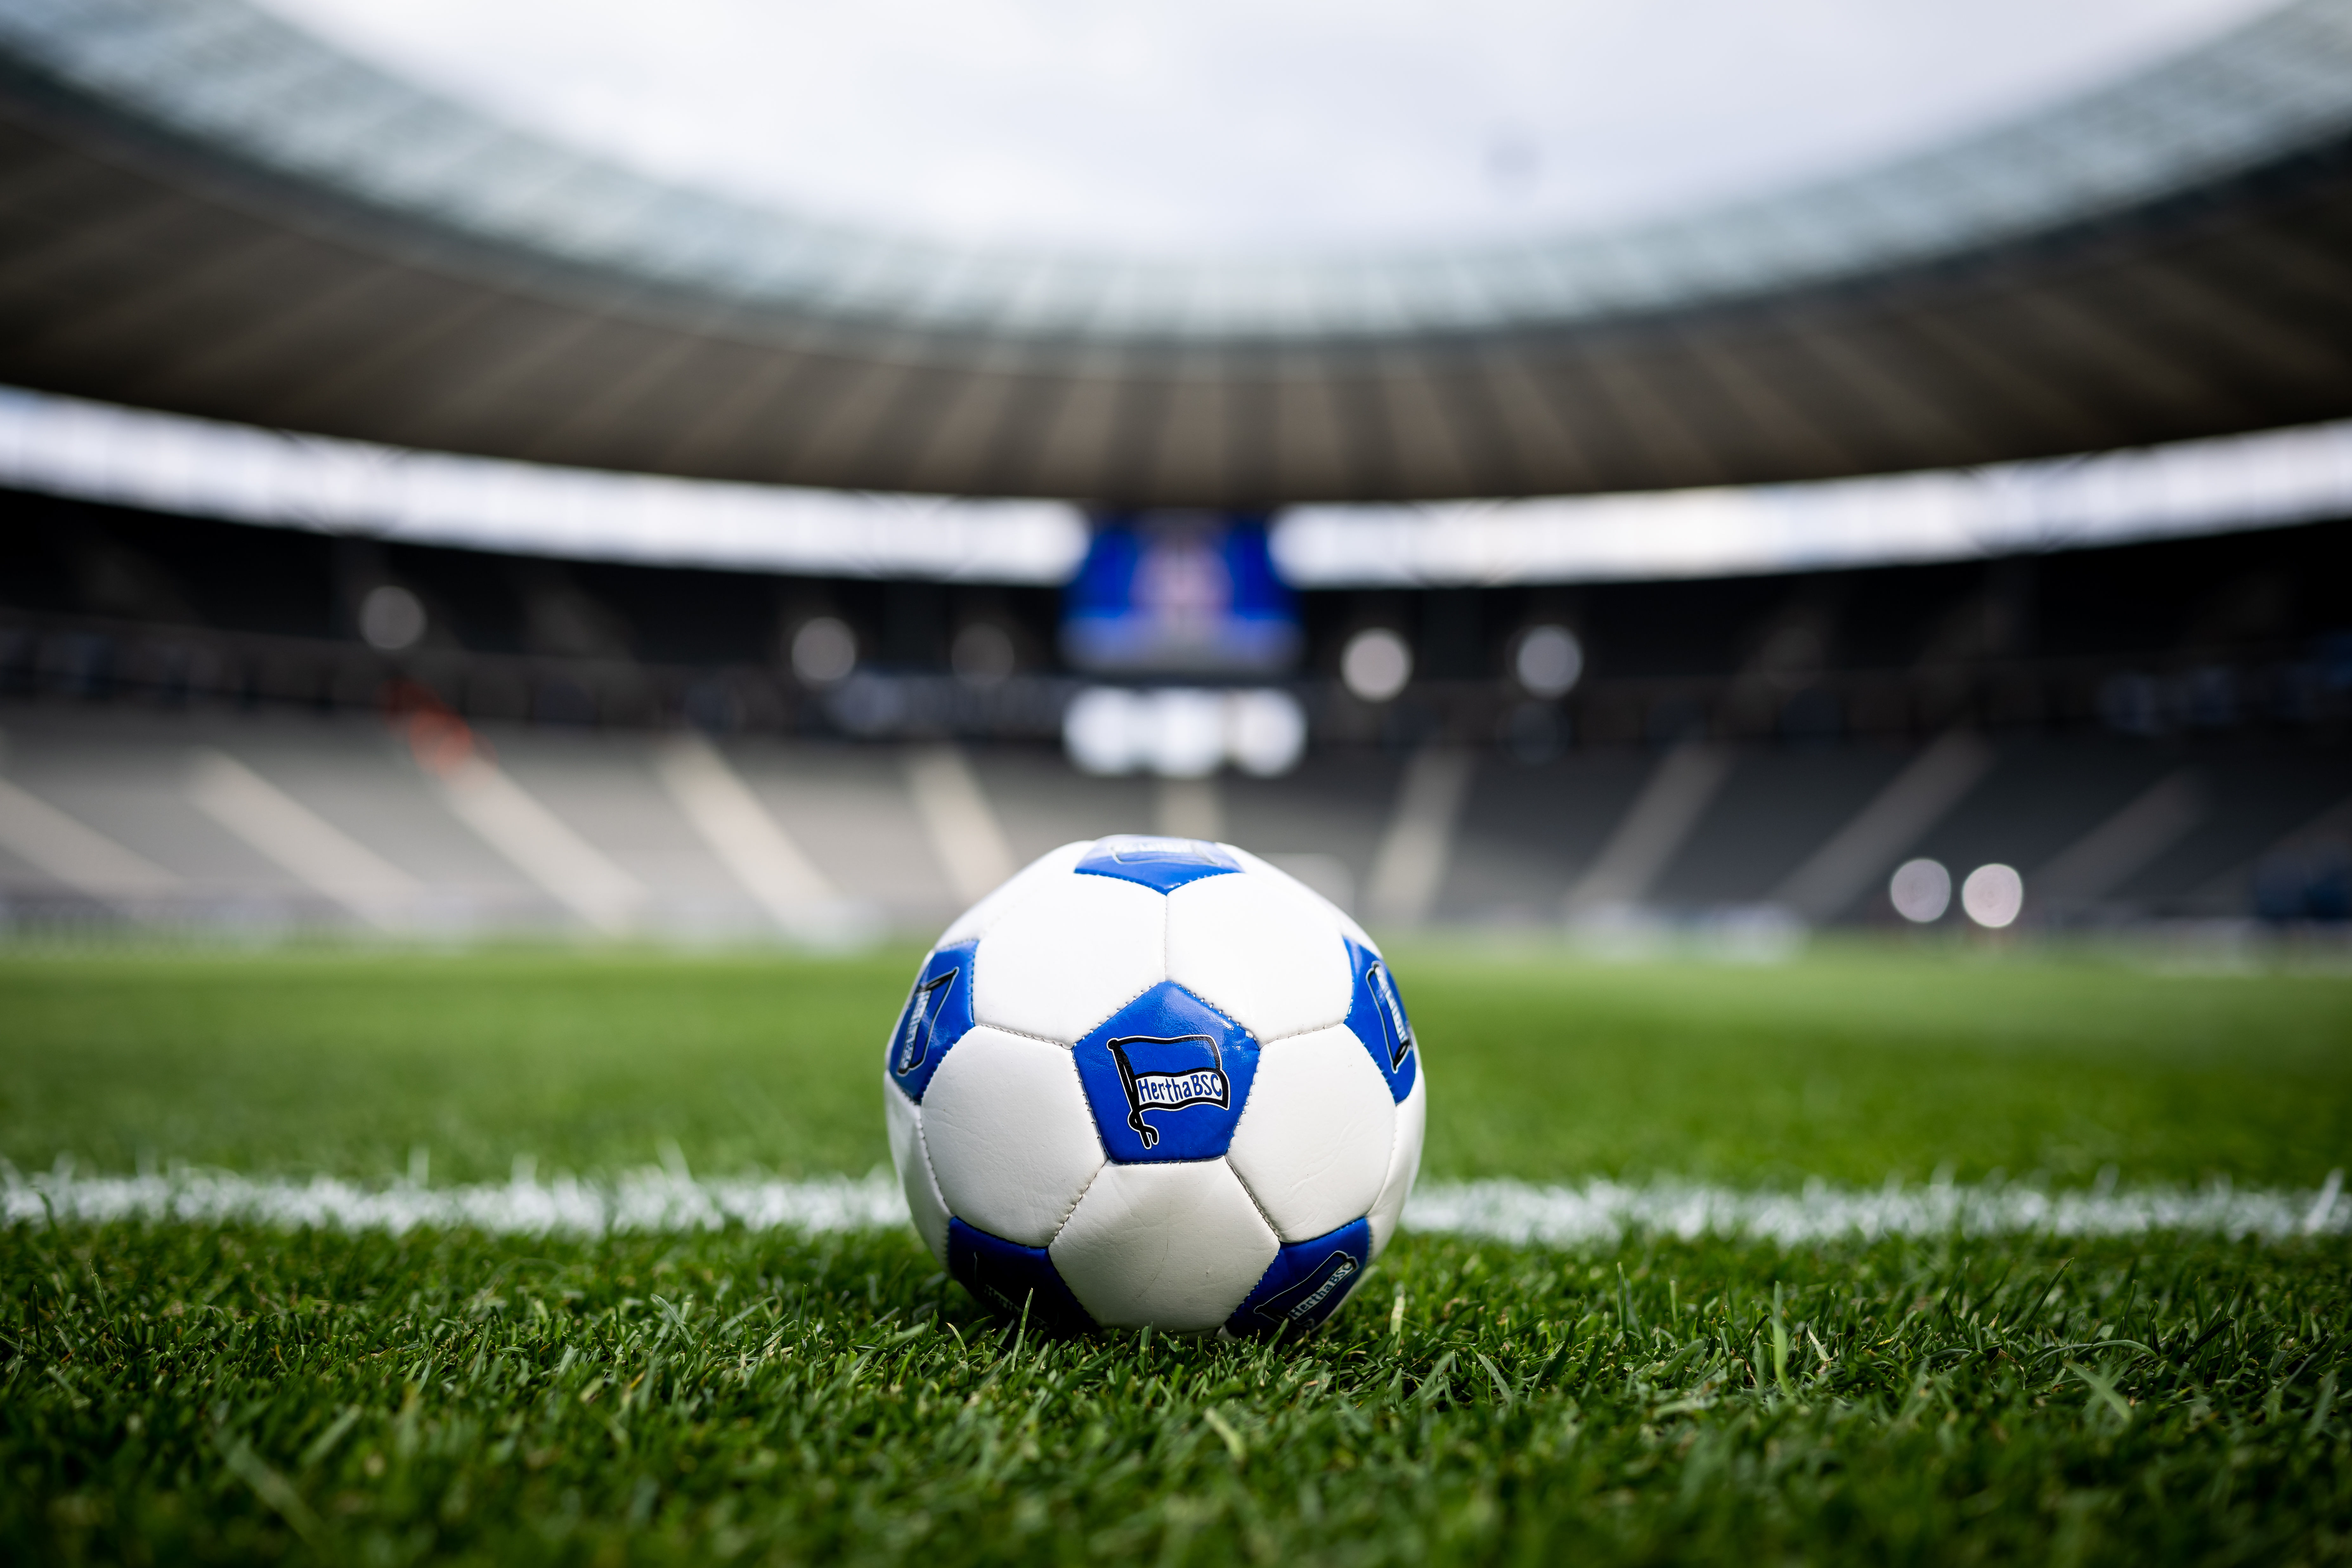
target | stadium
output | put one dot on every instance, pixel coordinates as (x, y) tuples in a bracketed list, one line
[(1829, 693)]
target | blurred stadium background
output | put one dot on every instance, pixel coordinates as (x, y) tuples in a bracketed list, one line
[(417, 524)]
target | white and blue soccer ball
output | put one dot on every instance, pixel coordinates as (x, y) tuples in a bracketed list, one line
[(1155, 1081)]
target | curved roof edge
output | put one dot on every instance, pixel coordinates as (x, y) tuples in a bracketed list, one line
[(223, 74), (2226, 484), (82, 451), (167, 463)]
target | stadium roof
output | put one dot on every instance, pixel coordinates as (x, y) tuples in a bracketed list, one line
[(207, 210), (172, 463)]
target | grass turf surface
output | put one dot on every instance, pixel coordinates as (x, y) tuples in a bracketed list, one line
[(1853, 1066), (172, 1392)]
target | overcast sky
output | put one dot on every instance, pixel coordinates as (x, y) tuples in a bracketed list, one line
[(1209, 126)]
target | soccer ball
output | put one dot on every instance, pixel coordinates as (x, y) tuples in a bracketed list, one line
[(1155, 1081)]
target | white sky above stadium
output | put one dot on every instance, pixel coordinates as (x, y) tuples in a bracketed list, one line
[(1205, 126)]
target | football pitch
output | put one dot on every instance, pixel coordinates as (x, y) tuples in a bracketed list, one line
[(232, 1387)]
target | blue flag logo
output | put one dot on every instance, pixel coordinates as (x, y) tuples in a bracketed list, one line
[(1305, 1301), (920, 1019), (1392, 1014), (1168, 1075)]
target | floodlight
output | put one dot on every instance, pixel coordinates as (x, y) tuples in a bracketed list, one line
[(1376, 665), (1994, 896), (1921, 890)]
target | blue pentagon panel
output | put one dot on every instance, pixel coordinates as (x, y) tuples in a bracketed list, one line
[(1008, 1278), (1167, 1076), (1305, 1283), (1376, 1017), (937, 1014), (1163, 864)]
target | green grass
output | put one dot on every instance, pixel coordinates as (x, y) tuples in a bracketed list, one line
[(177, 1393), (1854, 1066)]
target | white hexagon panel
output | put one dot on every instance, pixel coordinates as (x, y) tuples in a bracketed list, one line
[(1008, 1135), (978, 920), (1265, 953), (1404, 1164), (1176, 1247), (924, 1204), (1155, 1081), (1069, 955), (1314, 1143), (1260, 868)]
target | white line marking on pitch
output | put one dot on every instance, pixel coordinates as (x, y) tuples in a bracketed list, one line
[(1605, 1211), (1594, 1212)]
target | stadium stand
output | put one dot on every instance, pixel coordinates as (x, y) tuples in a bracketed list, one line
[(2140, 730), (206, 211)]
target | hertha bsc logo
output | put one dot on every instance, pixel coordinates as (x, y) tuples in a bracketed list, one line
[(1168, 1075), (1303, 1302), (1392, 1013), (922, 1015)]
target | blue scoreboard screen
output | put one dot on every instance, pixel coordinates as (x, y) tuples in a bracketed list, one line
[(1180, 592)]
